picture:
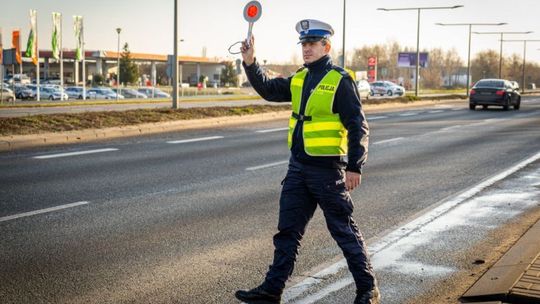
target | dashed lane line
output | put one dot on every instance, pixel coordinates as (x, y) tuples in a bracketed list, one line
[(388, 140), (183, 141), (409, 114), (42, 211), (75, 153), (272, 130), (376, 117), (267, 165)]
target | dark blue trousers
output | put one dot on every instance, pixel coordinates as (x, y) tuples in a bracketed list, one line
[(304, 188)]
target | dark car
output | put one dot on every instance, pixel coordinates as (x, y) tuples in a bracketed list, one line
[(494, 92)]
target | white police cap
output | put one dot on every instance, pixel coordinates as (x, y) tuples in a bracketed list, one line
[(313, 30)]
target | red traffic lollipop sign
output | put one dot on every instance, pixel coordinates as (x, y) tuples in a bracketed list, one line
[(252, 11)]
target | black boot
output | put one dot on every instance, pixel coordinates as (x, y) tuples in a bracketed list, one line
[(372, 296), (258, 295)]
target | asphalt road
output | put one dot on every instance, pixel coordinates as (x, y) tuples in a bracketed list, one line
[(188, 217)]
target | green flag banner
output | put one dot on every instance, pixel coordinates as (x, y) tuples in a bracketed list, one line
[(79, 37), (31, 45), (56, 20)]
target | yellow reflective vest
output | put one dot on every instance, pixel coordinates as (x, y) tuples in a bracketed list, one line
[(323, 132)]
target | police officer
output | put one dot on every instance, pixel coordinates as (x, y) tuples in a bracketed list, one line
[(328, 139)]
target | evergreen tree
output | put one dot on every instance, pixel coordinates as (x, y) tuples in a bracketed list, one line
[(228, 75), (129, 71)]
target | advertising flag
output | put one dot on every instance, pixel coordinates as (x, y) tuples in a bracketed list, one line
[(56, 19), (79, 37), (1, 48), (31, 45), (16, 44)]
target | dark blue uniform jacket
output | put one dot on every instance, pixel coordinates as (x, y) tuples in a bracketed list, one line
[(346, 104)]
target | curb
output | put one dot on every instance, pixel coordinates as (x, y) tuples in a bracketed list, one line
[(8, 143), (515, 278)]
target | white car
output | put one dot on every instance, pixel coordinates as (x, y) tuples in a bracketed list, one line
[(154, 92), (51, 94), (75, 92), (386, 88), (363, 88), (102, 93)]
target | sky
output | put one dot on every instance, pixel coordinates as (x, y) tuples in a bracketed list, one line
[(147, 26)]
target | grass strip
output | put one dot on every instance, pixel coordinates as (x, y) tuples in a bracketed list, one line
[(36, 124)]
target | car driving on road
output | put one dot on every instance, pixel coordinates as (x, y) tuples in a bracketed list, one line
[(386, 88), (494, 92)]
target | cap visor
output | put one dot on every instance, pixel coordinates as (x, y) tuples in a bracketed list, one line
[(310, 39)]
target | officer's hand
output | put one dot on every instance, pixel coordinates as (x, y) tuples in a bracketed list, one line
[(352, 180), (248, 53)]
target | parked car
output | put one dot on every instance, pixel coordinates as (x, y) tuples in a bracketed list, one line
[(51, 94), (131, 93), (19, 78), (363, 88), (102, 93), (75, 92), (7, 95), (386, 88), (494, 92), (24, 92), (152, 92)]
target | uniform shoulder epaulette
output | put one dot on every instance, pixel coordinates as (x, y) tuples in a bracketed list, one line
[(342, 71)]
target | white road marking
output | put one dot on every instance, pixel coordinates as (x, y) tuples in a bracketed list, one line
[(47, 210), (376, 117), (392, 246), (449, 128), (409, 114), (272, 130), (75, 153), (435, 111), (183, 141), (388, 140), (267, 165), (457, 109)]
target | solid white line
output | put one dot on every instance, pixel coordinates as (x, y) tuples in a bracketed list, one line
[(16, 216), (183, 141), (267, 165), (376, 117), (75, 153), (272, 130), (435, 111), (397, 234), (457, 109), (388, 140)]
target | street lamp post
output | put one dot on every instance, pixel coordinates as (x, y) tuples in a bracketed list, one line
[(344, 14), (470, 25), (175, 104), (501, 49), (418, 9), (524, 55), (118, 30)]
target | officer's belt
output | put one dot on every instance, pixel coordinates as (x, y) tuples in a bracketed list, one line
[(301, 117)]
